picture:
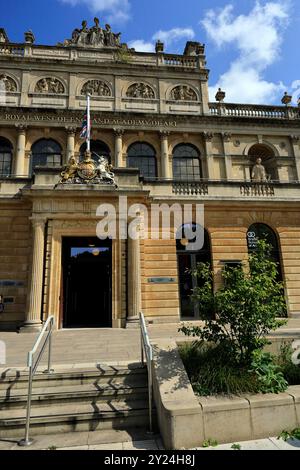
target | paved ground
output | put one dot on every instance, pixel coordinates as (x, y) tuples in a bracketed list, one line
[(263, 444), (108, 440), (94, 441), (103, 345)]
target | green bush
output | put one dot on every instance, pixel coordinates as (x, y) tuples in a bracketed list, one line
[(269, 374), (246, 307), (290, 371), (210, 374)]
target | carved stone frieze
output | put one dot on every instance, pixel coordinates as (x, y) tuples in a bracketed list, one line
[(183, 93), (140, 90), (95, 88), (8, 83), (49, 85)]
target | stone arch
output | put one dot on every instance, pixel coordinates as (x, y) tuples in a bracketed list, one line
[(186, 160), (50, 85), (266, 153), (6, 156), (96, 87), (46, 152), (142, 155), (141, 89), (182, 92)]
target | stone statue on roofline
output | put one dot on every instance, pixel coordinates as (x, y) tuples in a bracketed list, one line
[(94, 37)]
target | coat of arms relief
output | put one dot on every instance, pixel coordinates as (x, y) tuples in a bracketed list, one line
[(88, 171)]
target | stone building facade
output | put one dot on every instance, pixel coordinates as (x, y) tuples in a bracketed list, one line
[(167, 143)]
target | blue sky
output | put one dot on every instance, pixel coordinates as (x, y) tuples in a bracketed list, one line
[(252, 46)]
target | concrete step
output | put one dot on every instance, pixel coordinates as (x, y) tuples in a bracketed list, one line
[(135, 389), (101, 374), (72, 417)]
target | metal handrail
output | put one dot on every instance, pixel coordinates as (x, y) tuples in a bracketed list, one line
[(33, 365), (146, 350)]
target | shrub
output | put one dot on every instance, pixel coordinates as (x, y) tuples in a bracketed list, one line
[(270, 377), (290, 371), (246, 307), (210, 374)]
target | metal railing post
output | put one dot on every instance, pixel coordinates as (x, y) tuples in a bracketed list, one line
[(146, 350), (26, 441), (32, 369)]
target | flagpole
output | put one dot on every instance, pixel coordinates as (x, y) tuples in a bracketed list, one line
[(88, 133)]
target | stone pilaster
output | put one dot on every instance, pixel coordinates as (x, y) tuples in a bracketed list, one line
[(34, 304), (119, 148), (19, 168), (226, 136), (134, 280), (295, 140), (208, 137), (165, 160), (71, 131)]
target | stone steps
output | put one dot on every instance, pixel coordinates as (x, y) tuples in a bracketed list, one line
[(75, 400), (83, 394), (19, 379)]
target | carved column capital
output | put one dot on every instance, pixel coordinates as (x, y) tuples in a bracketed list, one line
[(71, 130), (38, 222), (164, 134), (119, 132), (226, 136), (208, 136), (295, 139), (21, 128)]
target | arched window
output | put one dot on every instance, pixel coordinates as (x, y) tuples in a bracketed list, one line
[(187, 260), (46, 152), (268, 160), (264, 232), (98, 149), (186, 163), (6, 150), (142, 156)]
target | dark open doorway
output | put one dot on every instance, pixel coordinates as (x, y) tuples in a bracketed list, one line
[(87, 275)]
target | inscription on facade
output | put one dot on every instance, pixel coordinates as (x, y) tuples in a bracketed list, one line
[(100, 121)]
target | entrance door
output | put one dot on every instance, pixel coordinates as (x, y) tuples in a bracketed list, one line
[(187, 262), (87, 268)]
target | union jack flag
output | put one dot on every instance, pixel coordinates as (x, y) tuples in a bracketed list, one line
[(84, 128)]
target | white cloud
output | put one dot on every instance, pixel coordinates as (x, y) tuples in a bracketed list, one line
[(117, 10), (142, 46), (257, 37), (167, 37), (173, 35)]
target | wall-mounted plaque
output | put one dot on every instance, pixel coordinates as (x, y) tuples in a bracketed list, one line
[(161, 280)]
